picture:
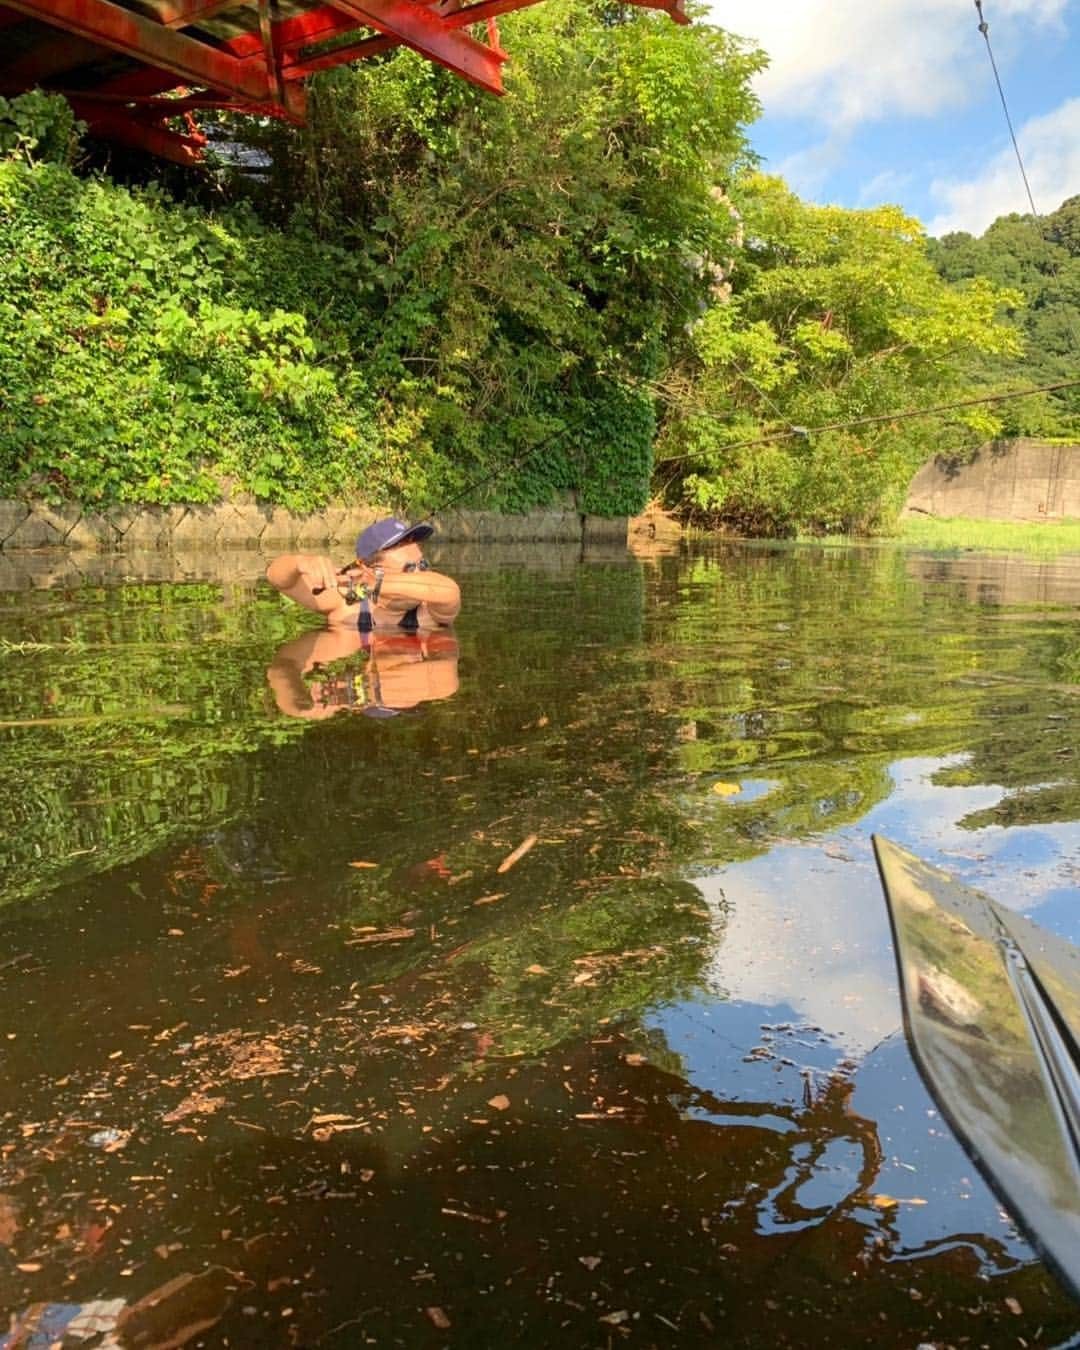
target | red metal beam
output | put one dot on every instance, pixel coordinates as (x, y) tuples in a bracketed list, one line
[(485, 9), (295, 67), (235, 73), (183, 13), (314, 25), (115, 126), (124, 31), (138, 83), (425, 32), (270, 50), (318, 25), (45, 59)]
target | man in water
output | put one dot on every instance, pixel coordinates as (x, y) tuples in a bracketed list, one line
[(389, 605), (389, 586)]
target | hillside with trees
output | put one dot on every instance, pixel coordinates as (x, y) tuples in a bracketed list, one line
[(1039, 257)]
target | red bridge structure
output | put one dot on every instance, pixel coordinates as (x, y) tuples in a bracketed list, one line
[(138, 72)]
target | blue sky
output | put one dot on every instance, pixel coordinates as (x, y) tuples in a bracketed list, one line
[(870, 101)]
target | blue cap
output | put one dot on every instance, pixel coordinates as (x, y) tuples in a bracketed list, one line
[(388, 534)]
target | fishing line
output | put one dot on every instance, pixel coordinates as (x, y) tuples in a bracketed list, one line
[(792, 431), (904, 415)]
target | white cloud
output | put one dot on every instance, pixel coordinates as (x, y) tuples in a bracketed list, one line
[(887, 186), (1050, 146), (807, 171), (842, 63)]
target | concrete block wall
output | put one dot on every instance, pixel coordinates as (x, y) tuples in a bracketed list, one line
[(242, 523), (1021, 480)]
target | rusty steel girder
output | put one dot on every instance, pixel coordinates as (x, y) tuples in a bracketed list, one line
[(138, 79)]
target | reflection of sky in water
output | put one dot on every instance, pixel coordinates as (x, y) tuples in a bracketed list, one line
[(1020, 866), (804, 974), (805, 924), (753, 789)]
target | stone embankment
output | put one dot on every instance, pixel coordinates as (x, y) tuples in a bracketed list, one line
[(1021, 480), (240, 523)]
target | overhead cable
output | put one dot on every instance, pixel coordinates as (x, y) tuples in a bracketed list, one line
[(984, 29)]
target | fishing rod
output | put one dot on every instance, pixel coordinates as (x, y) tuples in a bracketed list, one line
[(354, 592), (488, 478)]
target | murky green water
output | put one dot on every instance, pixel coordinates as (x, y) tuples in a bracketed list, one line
[(288, 1060)]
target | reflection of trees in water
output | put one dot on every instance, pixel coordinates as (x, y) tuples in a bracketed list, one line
[(155, 704), (1028, 748), (812, 1132), (812, 669), (842, 661)]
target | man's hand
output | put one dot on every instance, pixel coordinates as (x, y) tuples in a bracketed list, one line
[(364, 575), (317, 572), (309, 579)]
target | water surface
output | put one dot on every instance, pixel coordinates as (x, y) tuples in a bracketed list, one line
[(287, 1060)]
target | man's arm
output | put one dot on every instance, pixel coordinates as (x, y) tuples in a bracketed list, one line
[(293, 660), (402, 591)]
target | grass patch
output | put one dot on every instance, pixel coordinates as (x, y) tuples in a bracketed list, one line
[(998, 536), (963, 534)]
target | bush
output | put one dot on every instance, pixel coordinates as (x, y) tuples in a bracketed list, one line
[(143, 356)]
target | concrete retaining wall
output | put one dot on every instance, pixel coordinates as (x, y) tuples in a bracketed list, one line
[(987, 580), (1022, 480), (241, 523), (25, 569)]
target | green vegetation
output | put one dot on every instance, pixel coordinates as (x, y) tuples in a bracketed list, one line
[(147, 351), (833, 315), (1040, 257), (465, 283), (426, 289), (991, 535)]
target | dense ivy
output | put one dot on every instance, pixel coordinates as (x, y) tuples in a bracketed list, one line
[(144, 354), (468, 285)]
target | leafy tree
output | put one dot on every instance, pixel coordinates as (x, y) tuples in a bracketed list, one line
[(535, 259), (1040, 257), (834, 315)]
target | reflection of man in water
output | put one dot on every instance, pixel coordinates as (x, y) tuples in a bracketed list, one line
[(389, 586), (388, 603), (402, 671)]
